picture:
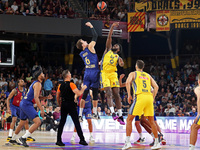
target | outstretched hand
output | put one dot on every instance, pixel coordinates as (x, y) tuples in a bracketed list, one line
[(89, 24), (115, 24)]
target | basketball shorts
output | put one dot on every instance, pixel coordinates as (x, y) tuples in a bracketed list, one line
[(198, 121), (15, 111), (27, 111), (91, 79), (137, 118), (143, 104), (87, 112), (109, 80)]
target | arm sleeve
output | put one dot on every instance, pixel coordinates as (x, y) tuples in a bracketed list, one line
[(94, 34), (73, 86)]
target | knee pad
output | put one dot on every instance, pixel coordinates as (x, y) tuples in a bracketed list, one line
[(85, 93), (95, 93)]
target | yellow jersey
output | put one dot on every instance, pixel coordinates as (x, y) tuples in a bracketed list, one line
[(109, 62), (141, 83)]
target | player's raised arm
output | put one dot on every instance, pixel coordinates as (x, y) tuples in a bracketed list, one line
[(109, 38), (197, 92), (94, 37), (155, 87), (129, 80), (13, 92)]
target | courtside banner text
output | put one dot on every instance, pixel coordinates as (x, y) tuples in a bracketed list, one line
[(136, 22), (185, 19), (107, 124), (153, 5)]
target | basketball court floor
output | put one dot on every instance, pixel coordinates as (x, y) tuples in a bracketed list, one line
[(103, 141)]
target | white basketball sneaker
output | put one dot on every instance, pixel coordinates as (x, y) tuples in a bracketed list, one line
[(91, 139), (73, 140), (127, 145), (156, 146)]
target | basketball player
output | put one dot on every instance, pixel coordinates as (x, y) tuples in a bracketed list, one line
[(109, 77), (88, 115), (91, 75), (16, 96), (196, 125), (145, 123), (27, 110), (143, 102)]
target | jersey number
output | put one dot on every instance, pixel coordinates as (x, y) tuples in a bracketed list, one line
[(87, 61), (144, 83)]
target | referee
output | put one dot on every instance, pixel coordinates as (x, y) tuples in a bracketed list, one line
[(66, 92)]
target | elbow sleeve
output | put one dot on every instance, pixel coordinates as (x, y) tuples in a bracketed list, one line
[(94, 34)]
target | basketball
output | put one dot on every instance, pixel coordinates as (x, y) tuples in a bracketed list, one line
[(101, 6)]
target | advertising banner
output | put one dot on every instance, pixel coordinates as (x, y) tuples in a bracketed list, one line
[(153, 5), (163, 20), (120, 31), (136, 22), (185, 19), (107, 124)]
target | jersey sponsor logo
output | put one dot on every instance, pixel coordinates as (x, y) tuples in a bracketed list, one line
[(144, 90), (85, 54), (144, 78), (91, 66)]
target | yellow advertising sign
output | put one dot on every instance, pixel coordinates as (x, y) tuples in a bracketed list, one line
[(153, 5), (163, 20), (185, 19), (136, 22)]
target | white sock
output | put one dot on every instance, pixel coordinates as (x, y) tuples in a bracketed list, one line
[(80, 111), (74, 134), (120, 112), (95, 110), (27, 134), (191, 147), (152, 134), (127, 138), (91, 134), (27, 131), (156, 141), (14, 136), (10, 132), (141, 135), (112, 109)]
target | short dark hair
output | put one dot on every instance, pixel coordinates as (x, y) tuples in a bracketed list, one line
[(140, 64), (18, 81), (64, 73), (79, 44)]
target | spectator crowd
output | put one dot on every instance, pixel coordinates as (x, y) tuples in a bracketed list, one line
[(116, 9), (175, 96)]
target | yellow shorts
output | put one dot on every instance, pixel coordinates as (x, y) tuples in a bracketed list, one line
[(198, 120), (142, 104), (109, 79)]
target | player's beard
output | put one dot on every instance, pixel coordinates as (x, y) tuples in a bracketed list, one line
[(114, 49)]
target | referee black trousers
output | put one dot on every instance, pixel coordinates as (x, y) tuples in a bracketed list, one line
[(69, 107)]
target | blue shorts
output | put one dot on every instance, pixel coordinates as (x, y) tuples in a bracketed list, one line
[(87, 112), (27, 111), (137, 118), (15, 111), (91, 79)]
